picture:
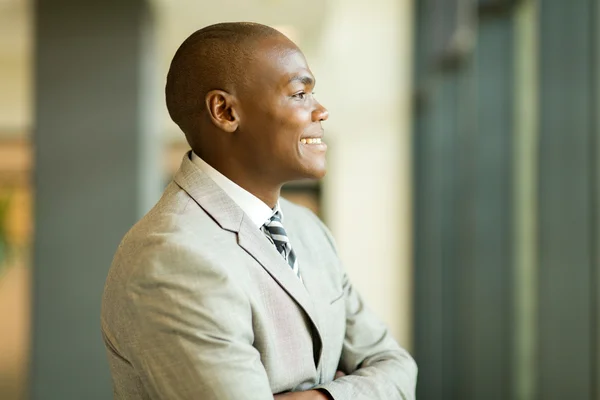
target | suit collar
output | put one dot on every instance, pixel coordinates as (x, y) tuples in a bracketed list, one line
[(208, 195), (258, 211)]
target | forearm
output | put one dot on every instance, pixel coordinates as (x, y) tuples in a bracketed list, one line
[(390, 379), (377, 367), (306, 395)]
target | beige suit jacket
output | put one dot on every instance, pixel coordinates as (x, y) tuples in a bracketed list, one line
[(198, 304)]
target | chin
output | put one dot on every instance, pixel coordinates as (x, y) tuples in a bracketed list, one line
[(306, 173), (312, 168), (319, 174), (315, 172)]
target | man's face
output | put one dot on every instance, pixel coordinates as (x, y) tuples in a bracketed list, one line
[(280, 129)]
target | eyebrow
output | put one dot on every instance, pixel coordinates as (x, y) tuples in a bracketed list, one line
[(305, 79)]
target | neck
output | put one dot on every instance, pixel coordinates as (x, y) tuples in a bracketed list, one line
[(258, 186), (269, 197), (268, 194)]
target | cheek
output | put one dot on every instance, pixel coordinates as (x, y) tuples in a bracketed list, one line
[(288, 126), (277, 129), (291, 114)]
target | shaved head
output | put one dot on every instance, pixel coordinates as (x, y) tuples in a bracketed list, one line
[(243, 94), (214, 57)]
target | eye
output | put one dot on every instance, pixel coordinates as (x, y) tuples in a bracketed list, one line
[(299, 96)]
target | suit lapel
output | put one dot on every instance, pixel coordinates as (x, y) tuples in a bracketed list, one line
[(212, 199), (258, 246), (312, 283)]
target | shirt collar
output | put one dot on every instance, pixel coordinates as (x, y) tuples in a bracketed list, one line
[(255, 209)]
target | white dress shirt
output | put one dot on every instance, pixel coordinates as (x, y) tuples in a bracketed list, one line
[(254, 207)]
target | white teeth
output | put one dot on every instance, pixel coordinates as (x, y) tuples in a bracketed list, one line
[(311, 141)]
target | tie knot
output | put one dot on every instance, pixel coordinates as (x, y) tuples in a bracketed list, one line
[(275, 218), (274, 227)]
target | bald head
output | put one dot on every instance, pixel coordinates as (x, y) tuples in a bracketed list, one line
[(211, 58), (243, 94)]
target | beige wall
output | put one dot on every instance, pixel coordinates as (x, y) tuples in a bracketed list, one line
[(15, 67)]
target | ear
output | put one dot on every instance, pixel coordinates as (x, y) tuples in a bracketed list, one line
[(221, 108)]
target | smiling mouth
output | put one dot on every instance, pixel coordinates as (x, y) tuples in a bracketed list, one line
[(311, 140)]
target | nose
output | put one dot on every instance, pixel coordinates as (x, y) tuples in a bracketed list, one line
[(320, 113)]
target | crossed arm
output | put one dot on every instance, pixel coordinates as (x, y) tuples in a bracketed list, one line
[(309, 394), (372, 364)]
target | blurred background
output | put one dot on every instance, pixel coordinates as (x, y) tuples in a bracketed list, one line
[(463, 184)]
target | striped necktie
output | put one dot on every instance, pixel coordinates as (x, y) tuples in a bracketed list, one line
[(276, 233)]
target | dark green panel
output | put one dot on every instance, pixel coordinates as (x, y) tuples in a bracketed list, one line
[(595, 187), (434, 350), (444, 196), (463, 129), (565, 220), (92, 142), (491, 241), (428, 291), (428, 285), (440, 339), (463, 231)]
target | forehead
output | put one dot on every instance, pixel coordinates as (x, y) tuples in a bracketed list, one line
[(277, 60)]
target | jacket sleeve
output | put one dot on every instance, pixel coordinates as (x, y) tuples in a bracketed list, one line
[(190, 331), (376, 366)]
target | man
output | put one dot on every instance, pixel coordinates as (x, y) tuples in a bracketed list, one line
[(224, 290)]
